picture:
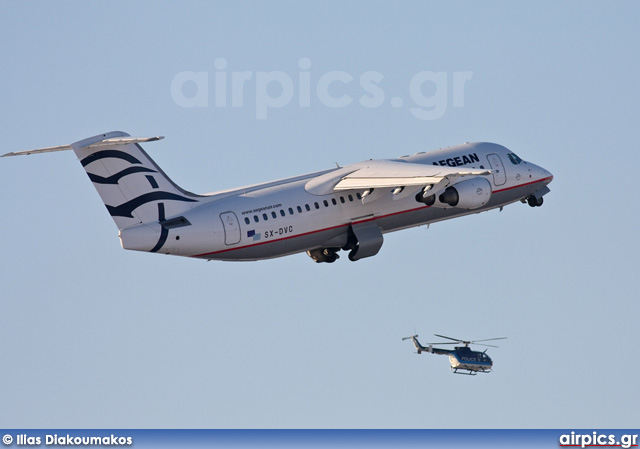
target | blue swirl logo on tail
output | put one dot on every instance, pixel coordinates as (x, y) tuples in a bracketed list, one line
[(109, 153), (114, 179), (125, 209), (152, 193)]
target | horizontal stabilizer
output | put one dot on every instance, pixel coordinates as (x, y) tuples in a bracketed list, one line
[(87, 145), (133, 188)]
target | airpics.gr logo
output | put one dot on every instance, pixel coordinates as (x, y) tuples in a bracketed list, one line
[(596, 439), (428, 91)]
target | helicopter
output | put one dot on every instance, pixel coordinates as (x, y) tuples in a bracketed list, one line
[(463, 359)]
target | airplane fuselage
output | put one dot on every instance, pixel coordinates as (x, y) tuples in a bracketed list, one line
[(290, 216), (346, 208)]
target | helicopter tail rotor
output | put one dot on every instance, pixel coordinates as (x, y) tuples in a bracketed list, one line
[(416, 343)]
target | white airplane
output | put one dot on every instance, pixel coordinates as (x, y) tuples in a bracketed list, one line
[(345, 208)]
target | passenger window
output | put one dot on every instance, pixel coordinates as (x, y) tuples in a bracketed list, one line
[(333, 201), (290, 211), (326, 203), (306, 206), (342, 199), (273, 215), (255, 218), (358, 196), (299, 210), (246, 220), (264, 217), (282, 212), (350, 197), (317, 205)]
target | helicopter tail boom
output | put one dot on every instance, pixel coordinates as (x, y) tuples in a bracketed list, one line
[(416, 343)]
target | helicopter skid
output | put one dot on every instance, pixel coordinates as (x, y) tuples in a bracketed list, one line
[(469, 372)]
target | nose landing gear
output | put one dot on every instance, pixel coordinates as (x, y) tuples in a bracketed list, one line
[(535, 199), (535, 202)]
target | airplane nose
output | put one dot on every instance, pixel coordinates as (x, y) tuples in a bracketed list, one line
[(541, 174)]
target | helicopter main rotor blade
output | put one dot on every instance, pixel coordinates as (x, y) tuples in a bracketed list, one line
[(444, 343), (489, 339), (449, 338), (483, 344)]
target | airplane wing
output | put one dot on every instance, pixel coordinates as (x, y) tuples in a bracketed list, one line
[(402, 178), (399, 174)]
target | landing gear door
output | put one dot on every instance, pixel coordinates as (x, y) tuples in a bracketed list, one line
[(369, 238), (499, 174), (231, 228)]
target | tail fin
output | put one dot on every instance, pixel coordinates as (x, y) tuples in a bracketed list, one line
[(133, 188)]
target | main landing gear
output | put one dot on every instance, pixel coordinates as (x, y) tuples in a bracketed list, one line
[(327, 255), (363, 239)]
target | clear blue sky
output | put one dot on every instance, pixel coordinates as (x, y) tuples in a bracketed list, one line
[(94, 336)]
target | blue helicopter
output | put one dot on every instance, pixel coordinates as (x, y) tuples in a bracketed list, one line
[(463, 359)]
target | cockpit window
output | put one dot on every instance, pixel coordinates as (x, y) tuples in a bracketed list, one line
[(515, 160)]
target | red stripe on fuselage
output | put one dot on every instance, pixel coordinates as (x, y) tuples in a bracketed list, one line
[(308, 233), (347, 224), (550, 178)]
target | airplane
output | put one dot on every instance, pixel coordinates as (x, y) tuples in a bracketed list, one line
[(463, 359), (346, 208)]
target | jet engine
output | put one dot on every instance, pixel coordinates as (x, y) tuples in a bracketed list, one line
[(470, 194)]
